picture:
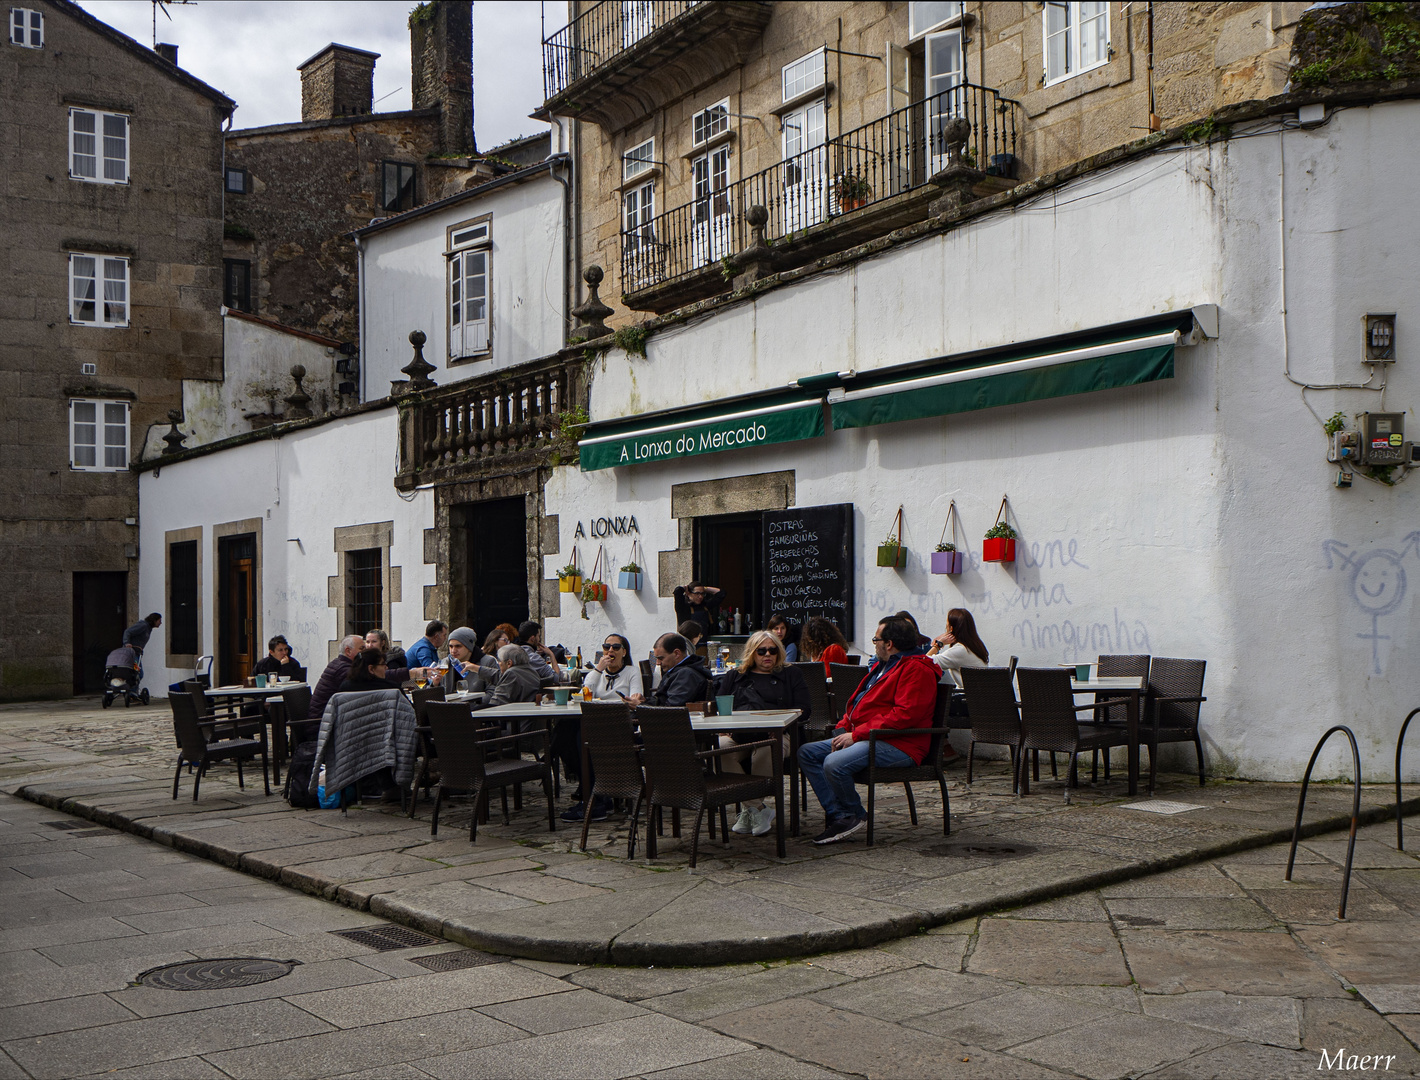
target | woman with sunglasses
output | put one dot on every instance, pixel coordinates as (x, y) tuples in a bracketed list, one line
[(615, 677), (761, 681)]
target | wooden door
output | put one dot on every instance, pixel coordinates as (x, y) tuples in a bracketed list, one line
[(237, 608), (100, 617)]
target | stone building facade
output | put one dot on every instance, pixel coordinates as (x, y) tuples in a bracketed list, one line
[(111, 232), (688, 114), (296, 191)]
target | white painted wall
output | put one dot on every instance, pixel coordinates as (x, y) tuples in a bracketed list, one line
[(302, 486), (1193, 517), (404, 287)]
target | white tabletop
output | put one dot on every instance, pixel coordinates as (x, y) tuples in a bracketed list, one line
[(744, 720), (252, 691), (465, 695), (527, 708), (1108, 682)]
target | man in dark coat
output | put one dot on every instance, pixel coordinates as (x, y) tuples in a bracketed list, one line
[(684, 676)]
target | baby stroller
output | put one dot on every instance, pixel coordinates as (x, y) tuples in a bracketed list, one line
[(123, 671)]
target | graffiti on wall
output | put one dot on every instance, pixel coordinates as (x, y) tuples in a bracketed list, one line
[(1377, 586)]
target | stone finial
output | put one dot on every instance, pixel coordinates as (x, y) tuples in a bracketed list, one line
[(299, 402), (956, 179), (418, 368), (174, 438), (591, 313), (757, 259)]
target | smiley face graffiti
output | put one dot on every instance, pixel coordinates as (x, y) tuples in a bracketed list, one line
[(1377, 584)]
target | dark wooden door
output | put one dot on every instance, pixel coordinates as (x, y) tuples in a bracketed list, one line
[(236, 608), (100, 618), (497, 563)]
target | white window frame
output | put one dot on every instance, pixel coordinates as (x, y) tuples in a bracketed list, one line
[(914, 10), (101, 433), (30, 25), (100, 156), (704, 126), (809, 62), (109, 312), (638, 159), (1076, 12), (470, 246)]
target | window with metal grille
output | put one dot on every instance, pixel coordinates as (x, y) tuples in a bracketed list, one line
[(182, 598), (398, 187), (365, 586), (236, 284)]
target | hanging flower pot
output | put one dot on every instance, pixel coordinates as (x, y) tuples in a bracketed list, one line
[(569, 578), (890, 551), (1000, 542), (630, 576), (593, 592), (947, 559)]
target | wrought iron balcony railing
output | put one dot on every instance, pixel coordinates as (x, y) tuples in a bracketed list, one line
[(881, 160), (599, 33)]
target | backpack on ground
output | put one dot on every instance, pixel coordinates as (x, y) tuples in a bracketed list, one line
[(298, 777)]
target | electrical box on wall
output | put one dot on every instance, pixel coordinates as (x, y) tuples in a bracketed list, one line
[(1378, 344), (1382, 438)]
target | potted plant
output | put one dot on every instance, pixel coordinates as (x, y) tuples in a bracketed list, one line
[(569, 579), (630, 577), (852, 191), (593, 592), (1000, 543), (890, 551), (946, 559)]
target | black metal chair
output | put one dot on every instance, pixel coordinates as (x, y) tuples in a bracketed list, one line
[(424, 764), (470, 764), (1050, 721), (614, 757), (676, 776), (930, 769), (199, 747), (994, 713), (1171, 709)]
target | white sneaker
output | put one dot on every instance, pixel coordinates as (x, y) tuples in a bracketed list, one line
[(763, 820), (744, 823)]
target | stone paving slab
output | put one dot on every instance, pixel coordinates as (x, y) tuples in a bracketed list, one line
[(525, 892)]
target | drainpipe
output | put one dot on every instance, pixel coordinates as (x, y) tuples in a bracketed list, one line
[(1153, 115), (567, 304), (360, 323)]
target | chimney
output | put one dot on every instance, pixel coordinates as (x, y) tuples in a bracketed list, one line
[(337, 81), (167, 52), (441, 51)]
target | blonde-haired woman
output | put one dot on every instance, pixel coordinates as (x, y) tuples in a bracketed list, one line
[(762, 680)]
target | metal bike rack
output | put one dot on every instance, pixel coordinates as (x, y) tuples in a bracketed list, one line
[(1355, 809), (1399, 744)]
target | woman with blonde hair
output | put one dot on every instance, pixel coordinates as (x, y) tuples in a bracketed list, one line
[(761, 680)]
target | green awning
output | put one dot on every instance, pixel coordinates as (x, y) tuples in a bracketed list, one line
[(725, 425), (920, 394)]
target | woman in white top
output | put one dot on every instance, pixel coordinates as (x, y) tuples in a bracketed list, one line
[(615, 677), (958, 646)]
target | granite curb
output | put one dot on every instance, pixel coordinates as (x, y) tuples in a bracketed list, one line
[(623, 928)]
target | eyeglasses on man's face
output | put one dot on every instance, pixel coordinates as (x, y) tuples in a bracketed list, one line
[(879, 641), (765, 651), (611, 646)]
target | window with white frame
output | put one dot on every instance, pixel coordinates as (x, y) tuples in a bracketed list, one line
[(639, 159), (639, 207), (922, 17), (803, 75), (98, 146), (98, 290), (709, 122), (1076, 38), (470, 264), (27, 28), (98, 435)]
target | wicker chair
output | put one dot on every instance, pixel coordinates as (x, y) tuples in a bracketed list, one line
[(821, 719), (1113, 666), (647, 669), (930, 769), (424, 764), (611, 747), (994, 713), (846, 678), (471, 764), (1050, 721), (199, 748), (676, 776), (1175, 694)]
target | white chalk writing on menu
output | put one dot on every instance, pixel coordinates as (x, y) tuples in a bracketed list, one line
[(808, 559)]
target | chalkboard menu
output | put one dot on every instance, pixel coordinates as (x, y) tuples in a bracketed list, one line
[(808, 564)]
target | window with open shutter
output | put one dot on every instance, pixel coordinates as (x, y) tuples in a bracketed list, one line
[(98, 290), (470, 262)]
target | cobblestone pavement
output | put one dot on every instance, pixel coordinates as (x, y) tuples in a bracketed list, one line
[(1214, 970), (524, 891)]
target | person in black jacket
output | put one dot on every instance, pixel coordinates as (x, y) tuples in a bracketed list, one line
[(367, 672), (278, 659), (762, 680), (684, 676)]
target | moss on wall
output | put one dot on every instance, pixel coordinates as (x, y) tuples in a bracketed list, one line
[(1356, 43)]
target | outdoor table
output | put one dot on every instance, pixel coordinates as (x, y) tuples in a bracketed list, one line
[(233, 696), (1131, 688)]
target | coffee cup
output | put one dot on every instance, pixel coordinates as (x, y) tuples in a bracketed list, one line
[(561, 694), (725, 704), (261, 682), (1082, 672)]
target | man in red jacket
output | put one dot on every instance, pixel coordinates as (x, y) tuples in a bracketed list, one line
[(899, 692)]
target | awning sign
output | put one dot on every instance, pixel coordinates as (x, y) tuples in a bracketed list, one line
[(735, 431)]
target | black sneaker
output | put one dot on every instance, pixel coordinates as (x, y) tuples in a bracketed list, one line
[(574, 812), (600, 808), (840, 829)]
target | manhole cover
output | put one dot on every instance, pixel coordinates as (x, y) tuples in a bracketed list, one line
[(1140, 920), (216, 974), (453, 961), (70, 824), (983, 850), (387, 936)]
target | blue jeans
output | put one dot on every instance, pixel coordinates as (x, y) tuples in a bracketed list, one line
[(830, 773)]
